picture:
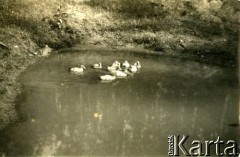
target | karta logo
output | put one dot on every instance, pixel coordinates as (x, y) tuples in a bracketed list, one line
[(200, 148)]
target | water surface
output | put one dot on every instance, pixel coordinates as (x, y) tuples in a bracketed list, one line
[(66, 114)]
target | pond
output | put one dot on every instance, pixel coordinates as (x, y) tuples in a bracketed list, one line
[(61, 113)]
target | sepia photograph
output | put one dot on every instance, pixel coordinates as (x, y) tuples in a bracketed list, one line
[(119, 78)]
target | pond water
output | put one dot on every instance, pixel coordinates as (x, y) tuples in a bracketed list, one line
[(61, 113)]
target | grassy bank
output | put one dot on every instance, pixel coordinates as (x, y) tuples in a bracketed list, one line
[(22, 37), (200, 30)]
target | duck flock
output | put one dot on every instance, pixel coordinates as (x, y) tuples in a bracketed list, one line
[(116, 70)]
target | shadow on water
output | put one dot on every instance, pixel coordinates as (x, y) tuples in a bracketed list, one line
[(66, 114)]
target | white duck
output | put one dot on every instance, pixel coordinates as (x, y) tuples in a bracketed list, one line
[(97, 66), (111, 68), (108, 77), (114, 66), (78, 69), (133, 68), (127, 72), (138, 64), (126, 64), (119, 73)]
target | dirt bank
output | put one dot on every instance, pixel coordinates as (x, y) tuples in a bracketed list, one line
[(200, 30)]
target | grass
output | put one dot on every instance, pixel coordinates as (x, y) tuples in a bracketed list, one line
[(117, 22)]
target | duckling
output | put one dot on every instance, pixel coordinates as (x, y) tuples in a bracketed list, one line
[(126, 64), (138, 64), (107, 77), (133, 68), (97, 66), (78, 69)]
